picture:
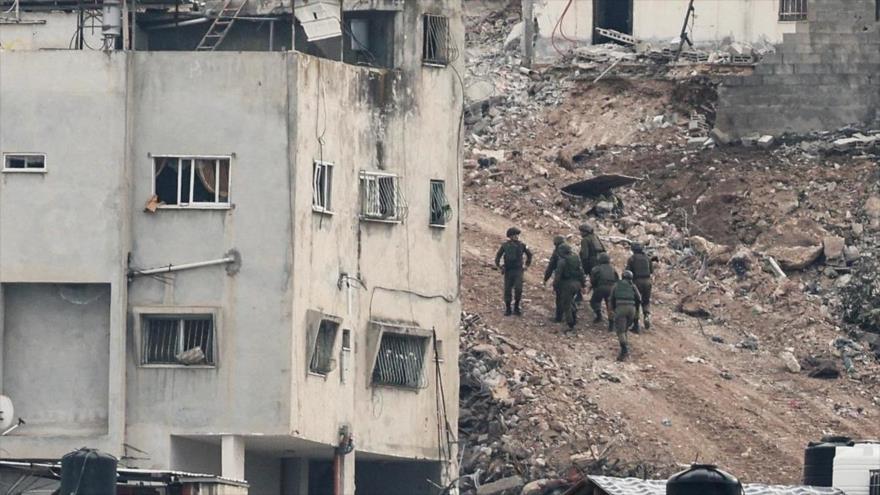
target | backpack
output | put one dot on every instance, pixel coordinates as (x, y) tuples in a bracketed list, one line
[(641, 265), (513, 253), (624, 292)]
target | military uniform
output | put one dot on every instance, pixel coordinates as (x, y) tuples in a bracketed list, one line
[(591, 247), (569, 281), (642, 267), (625, 298), (513, 252), (602, 280), (551, 269)]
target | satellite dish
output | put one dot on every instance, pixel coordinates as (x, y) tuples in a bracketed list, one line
[(7, 413)]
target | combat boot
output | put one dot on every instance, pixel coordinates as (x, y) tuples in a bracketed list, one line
[(508, 312), (647, 323), (624, 352), (516, 310), (635, 327)]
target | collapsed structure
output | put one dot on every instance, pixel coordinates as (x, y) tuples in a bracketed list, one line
[(242, 263)]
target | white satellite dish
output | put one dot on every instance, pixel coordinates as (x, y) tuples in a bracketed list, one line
[(7, 413)]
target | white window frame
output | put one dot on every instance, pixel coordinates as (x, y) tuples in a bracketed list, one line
[(371, 193), (175, 312), (10, 170), (326, 187), (192, 205)]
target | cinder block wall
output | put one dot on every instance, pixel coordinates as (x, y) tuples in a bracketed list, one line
[(823, 76)]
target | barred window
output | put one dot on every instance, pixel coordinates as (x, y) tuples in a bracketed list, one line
[(381, 197), (441, 211), (400, 360), (435, 49), (792, 10), (322, 180), (178, 340)]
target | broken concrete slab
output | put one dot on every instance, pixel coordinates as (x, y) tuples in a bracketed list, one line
[(505, 486), (721, 137), (797, 257), (790, 362), (513, 38), (599, 185), (833, 247), (765, 142)]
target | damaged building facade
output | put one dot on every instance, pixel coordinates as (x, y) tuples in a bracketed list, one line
[(242, 262)]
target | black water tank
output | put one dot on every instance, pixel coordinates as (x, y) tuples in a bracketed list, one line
[(88, 472), (703, 479), (819, 460)]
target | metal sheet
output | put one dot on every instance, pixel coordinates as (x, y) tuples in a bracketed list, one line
[(599, 185), (320, 20)]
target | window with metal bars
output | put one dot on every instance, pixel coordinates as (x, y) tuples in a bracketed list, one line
[(381, 197), (792, 10), (435, 48), (191, 182), (322, 180), (441, 211), (400, 361), (178, 340), (24, 162), (321, 361)]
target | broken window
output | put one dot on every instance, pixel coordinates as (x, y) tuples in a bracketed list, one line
[(322, 179), (441, 211), (178, 340), (435, 48), (24, 162), (381, 198), (369, 38), (792, 10), (321, 360), (191, 181), (400, 360)]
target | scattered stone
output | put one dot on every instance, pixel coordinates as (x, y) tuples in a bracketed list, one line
[(796, 258), (694, 360), (765, 142), (750, 343), (720, 137), (505, 486), (514, 37), (790, 362), (824, 369), (833, 247), (851, 254)]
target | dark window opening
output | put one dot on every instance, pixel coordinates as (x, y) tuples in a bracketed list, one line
[(616, 15), (441, 211), (176, 340), (321, 360), (792, 10), (400, 361), (166, 180), (368, 38), (191, 181), (381, 198), (435, 47), (25, 162)]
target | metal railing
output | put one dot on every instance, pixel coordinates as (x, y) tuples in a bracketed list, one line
[(792, 10), (400, 361)]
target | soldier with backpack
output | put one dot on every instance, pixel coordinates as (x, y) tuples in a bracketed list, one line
[(558, 242), (625, 298), (602, 280), (569, 281), (642, 267), (513, 252)]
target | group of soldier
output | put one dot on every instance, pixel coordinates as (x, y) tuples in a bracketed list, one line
[(623, 297)]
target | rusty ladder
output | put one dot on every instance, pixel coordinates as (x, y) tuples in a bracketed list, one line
[(221, 25)]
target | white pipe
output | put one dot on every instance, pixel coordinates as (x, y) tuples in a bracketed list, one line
[(190, 22), (185, 266)]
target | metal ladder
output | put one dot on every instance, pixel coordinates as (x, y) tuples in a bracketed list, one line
[(221, 26)]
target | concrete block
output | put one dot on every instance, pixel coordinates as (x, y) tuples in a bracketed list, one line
[(765, 141), (505, 486)]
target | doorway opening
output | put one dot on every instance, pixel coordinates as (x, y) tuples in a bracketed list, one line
[(612, 14)]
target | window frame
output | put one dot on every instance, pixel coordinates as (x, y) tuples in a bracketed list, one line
[(193, 205), (327, 208), (181, 313), (446, 210), (444, 60), (787, 12), (367, 177), (378, 331), (25, 154), (331, 352)]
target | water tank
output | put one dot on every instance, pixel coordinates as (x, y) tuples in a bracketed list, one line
[(88, 472), (819, 460), (703, 479), (853, 466)]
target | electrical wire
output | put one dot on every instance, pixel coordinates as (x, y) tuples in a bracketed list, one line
[(558, 28)]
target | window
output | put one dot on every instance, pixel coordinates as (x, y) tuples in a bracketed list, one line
[(381, 198), (24, 162), (191, 182), (441, 212), (792, 10), (321, 361), (322, 179), (435, 50), (178, 339), (400, 360)]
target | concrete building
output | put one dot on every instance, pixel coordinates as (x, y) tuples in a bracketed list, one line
[(568, 23), (243, 262)]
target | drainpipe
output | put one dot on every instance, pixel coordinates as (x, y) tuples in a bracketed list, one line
[(232, 258), (190, 22), (528, 35), (346, 445)]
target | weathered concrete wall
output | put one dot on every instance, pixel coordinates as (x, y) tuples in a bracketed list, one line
[(659, 21), (54, 30), (825, 76)]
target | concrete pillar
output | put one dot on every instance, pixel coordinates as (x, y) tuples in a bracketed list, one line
[(232, 457), (348, 474), (528, 37), (294, 476)]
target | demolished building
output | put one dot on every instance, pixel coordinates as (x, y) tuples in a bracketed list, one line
[(243, 263)]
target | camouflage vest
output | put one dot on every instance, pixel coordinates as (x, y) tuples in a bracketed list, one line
[(513, 254), (641, 265), (605, 274), (624, 292), (571, 268)]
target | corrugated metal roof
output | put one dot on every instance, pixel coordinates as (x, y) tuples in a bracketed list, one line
[(635, 486)]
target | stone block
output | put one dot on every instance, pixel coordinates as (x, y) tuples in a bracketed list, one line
[(505, 486)]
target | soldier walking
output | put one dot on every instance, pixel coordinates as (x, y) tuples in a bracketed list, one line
[(558, 241), (602, 280), (513, 251), (569, 281), (591, 246), (625, 298), (642, 267)]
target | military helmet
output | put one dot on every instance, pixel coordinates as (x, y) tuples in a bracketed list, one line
[(586, 228), (558, 240), (513, 231), (637, 247), (627, 275), (565, 250), (604, 258)]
